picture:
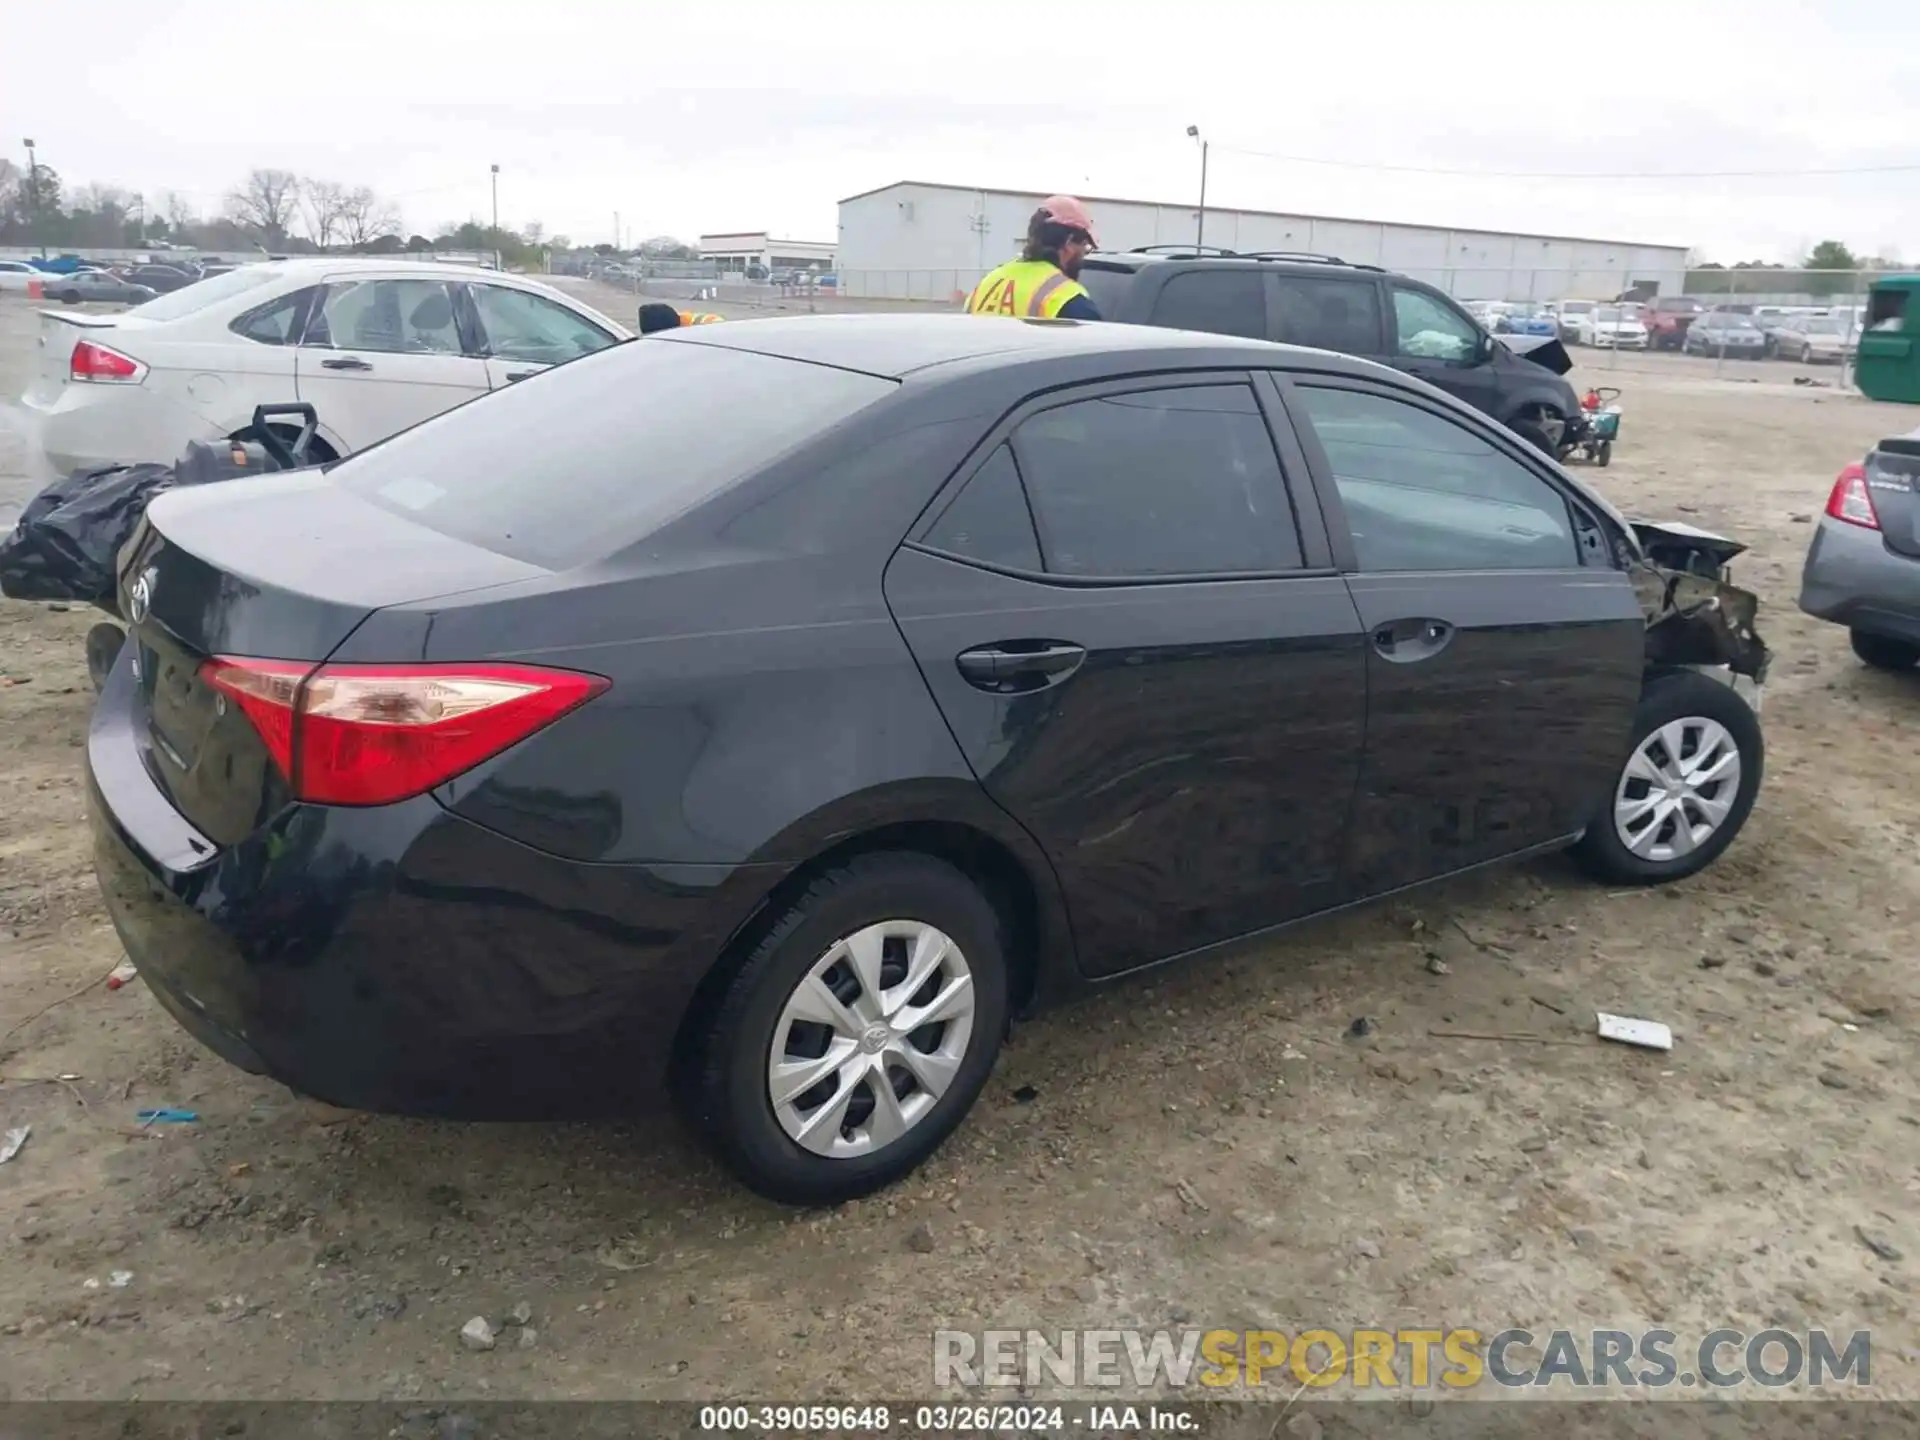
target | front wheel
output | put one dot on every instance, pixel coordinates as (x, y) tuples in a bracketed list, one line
[(1603, 454), (856, 1034), (1883, 652), (1536, 434), (1686, 788)]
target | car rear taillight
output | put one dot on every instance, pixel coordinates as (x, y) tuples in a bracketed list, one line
[(375, 734), (1850, 500), (96, 363)]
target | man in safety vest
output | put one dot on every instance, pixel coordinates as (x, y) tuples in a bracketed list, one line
[(665, 317), (1041, 283)]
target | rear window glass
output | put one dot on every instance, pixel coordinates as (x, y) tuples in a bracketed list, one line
[(202, 293), (1107, 287), (576, 462)]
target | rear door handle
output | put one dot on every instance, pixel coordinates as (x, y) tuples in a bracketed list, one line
[(345, 362), (1014, 667), (1406, 641)]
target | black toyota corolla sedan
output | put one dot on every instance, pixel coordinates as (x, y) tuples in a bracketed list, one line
[(764, 713)]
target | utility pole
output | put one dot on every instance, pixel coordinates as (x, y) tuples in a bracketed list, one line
[(33, 183), (616, 232), (496, 217), (1200, 230)]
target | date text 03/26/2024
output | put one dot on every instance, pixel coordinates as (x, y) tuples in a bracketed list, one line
[(963, 1418)]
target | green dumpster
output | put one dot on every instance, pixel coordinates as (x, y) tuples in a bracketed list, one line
[(1887, 366)]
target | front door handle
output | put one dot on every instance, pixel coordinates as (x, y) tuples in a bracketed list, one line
[(513, 375), (1406, 641), (345, 362), (1014, 667)]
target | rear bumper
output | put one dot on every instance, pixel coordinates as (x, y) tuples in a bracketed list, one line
[(83, 427), (403, 959), (1853, 579)]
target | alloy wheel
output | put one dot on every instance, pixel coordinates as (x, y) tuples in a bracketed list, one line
[(870, 1038), (1677, 789)]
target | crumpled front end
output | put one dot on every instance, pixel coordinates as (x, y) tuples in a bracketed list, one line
[(1695, 615)]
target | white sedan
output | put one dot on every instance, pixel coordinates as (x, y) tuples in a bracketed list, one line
[(17, 275), (374, 346), (1612, 327)]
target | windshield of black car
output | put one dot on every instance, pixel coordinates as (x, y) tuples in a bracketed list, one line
[(574, 464)]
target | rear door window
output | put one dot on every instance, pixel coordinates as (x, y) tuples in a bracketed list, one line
[(1342, 315), (1221, 302), (394, 317), (1142, 483), (582, 460)]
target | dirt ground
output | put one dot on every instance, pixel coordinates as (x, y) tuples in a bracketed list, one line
[(1210, 1147)]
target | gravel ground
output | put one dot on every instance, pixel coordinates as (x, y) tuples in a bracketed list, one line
[(1210, 1147)]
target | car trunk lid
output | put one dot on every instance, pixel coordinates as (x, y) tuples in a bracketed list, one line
[(284, 569), (1893, 483)]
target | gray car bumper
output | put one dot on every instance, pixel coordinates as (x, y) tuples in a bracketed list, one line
[(1853, 579)]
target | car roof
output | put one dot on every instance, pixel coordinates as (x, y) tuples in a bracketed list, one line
[(314, 266), (897, 346)]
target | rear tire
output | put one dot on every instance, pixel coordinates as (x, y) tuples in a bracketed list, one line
[(728, 1102), (1883, 652), (1603, 454), (1685, 730)]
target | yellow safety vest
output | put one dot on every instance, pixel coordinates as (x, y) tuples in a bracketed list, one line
[(1034, 289), (696, 317)]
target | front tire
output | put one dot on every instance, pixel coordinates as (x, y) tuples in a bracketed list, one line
[(1535, 434), (1685, 789), (1883, 652), (856, 1034)]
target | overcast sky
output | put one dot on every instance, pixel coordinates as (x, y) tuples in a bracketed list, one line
[(684, 121)]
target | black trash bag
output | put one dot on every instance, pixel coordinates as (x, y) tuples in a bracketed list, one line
[(67, 542)]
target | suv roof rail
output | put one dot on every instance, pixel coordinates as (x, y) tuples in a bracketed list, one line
[(1194, 250), (1308, 257)]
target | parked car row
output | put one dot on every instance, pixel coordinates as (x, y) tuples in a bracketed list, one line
[(123, 283), (1808, 334)]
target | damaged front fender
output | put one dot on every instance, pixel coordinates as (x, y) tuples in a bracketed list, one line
[(1695, 616)]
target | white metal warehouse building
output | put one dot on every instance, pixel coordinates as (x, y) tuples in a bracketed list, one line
[(911, 240)]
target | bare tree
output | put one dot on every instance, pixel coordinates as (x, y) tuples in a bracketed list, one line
[(325, 203), (365, 217), (266, 202), (101, 200), (178, 210), (534, 233)]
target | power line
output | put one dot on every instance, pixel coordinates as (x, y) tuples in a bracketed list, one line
[(1573, 174)]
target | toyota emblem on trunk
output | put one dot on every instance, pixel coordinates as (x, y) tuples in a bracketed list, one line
[(140, 597)]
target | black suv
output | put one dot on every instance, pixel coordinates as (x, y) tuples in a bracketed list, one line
[(1325, 302)]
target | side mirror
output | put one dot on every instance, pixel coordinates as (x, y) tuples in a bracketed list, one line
[(1486, 349)]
